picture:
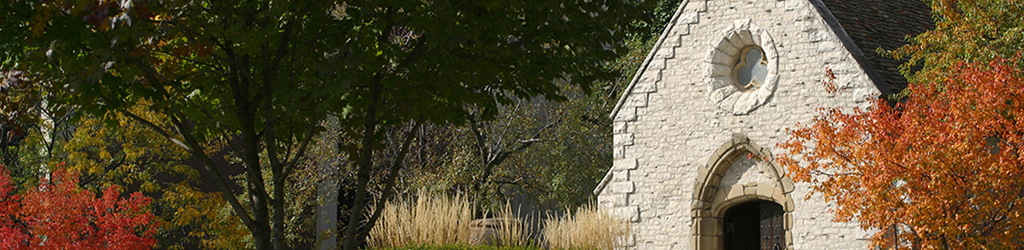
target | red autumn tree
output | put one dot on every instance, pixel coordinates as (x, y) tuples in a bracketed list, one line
[(943, 169), (12, 233), (61, 215)]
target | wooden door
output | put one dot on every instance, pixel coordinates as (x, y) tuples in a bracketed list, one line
[(754, 225), (773, 234)]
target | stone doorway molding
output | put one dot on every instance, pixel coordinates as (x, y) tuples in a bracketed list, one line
[(711, 199)]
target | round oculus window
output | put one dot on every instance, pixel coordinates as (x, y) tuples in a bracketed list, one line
[(742, 68), (751, 68)]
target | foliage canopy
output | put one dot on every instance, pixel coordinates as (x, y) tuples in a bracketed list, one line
[(256, 72)]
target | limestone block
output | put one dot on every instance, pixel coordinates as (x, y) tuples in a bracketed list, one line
[(719, 57), (698, 213), (689, 18), (666, 52), (827, 47), (715, 178), (794, 5), (818, 35), (788, 221), (657, 64), (720, 70), (617, 200), (647, 87), (710, 242), (735, 191), (623, 139), (697, 204), (720, 197), (637, 100), (707, 225), (750, 190), (649, 76), (627, 114), (682, 30), (625, 164), (739, 138), (764, 190), (629, 213), (787, 185), (625, 187), (619, 127), (777, 194), (620, 175)]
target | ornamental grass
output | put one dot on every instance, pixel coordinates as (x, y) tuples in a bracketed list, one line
[(440, 220)]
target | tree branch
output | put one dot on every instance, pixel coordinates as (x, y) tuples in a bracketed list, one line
[(290, 165), (390, 182), (197, 151)]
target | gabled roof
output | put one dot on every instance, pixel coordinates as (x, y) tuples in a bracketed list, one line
[(862, 26), (873, 24)]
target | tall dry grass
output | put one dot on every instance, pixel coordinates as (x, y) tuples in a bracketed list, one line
[(430, 220), (443, 220), (590, 227), (512, 231)]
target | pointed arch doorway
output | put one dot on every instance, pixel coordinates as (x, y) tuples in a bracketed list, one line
[(754, 225), (742, 186)]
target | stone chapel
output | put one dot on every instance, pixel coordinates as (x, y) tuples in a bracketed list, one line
[(722, 84)]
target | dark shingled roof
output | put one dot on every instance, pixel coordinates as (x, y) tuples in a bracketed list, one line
[(873, 24)]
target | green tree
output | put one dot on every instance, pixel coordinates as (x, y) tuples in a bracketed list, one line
[(550, 152), (553, 152), (257, 72), (16, 99), (973, 31), (134, 156)]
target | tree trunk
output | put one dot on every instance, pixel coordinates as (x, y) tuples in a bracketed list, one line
[(279, 240), (363, 174), (246, 112), (389, 184)]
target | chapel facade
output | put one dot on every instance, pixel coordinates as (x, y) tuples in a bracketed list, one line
[(696, 129)]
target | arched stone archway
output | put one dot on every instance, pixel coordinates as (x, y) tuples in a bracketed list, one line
[(738, 172)]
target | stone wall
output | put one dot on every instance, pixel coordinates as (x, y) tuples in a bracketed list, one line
[(671, 122)]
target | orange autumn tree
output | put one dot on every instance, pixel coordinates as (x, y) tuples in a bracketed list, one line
[(943, 169), (61, 215)]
